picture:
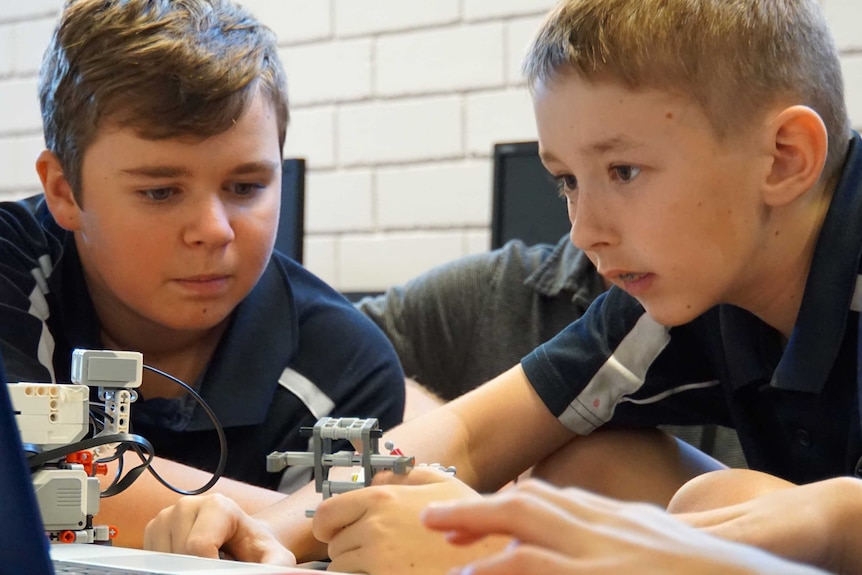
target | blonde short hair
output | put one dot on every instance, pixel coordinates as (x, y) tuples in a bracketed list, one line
[(163, 67), (735, 58)]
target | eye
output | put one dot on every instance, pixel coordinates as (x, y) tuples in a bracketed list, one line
[(158, 194), (566, 183), (625, 173), (247, 188)]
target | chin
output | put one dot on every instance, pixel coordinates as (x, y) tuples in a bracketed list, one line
[(672, 316), (201, 320)]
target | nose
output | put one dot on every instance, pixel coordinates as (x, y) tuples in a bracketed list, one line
[(591, 225), (209, 222)]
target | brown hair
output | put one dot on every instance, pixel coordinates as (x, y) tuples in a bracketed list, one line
[(165, 68), (735, 58)]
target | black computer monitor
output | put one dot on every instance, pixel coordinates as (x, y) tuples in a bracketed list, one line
[(527, 204), (291, 228)]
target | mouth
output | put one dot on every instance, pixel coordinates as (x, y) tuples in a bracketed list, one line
[(204, 278), (209, 285), (629, 277)]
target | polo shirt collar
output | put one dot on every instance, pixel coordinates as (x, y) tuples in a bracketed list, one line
[(819, 330), (752, 348), (567, 269)]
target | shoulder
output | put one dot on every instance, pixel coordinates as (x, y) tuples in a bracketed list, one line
[(28, 233), (323, 313), (31, 242), (27, 220), (514, 262)]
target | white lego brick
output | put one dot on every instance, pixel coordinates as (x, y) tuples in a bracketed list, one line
[(107, 368), (319, 257), (360, 17), (50, 415), (294, 21), (21, 9), (348, 63), (440, 60), (400, 131), (844, 17), (519, 34), (19, 106), (30, 40), (338, 201), (477, 241), (311, 135), (499, 117), (375, 262), (437, 195), (852, 69), (483, 9)]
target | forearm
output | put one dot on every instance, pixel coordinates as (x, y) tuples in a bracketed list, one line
[(490, 434), (131, 510), (847, 528)]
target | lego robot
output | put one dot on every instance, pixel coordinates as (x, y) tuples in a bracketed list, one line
[(364, 433), (54, 418)]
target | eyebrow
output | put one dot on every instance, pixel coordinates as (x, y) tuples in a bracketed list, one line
[(180, 171), (612, 144)]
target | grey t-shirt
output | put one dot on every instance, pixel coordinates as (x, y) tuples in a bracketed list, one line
[(467, 321)]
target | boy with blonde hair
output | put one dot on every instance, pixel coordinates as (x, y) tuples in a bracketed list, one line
[(704, 151), (164, 122)]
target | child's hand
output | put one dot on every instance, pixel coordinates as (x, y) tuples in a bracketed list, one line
[(210, 525), (570, 531), (816, 523), (377, 529)]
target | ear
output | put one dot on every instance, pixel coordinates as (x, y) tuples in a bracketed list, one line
[(58, 193), (798, 145)]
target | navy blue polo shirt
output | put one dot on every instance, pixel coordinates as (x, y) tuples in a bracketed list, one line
[(795, 407), (295, 351)]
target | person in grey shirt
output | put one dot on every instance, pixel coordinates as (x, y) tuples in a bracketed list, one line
[(466, 321)]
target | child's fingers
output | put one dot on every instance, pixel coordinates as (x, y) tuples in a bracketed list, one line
[(416, 476), (520, 515)]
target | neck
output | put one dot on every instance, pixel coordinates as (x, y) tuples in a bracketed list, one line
[(775, 293), (184, 356)]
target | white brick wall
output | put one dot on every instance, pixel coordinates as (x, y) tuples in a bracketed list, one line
[(409, 130), (365, 18), (395, 105), (338, 71), (440, 60)]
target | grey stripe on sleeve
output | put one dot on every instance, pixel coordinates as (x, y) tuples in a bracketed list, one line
[(622, 374)]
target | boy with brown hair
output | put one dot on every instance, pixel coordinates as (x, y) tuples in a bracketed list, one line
[(704, 150), (164, 122)]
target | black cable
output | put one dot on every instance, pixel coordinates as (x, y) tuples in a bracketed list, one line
[(222, 440), (126, 441)]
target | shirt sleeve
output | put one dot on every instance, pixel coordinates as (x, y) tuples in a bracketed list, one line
[(618, 365), (27, 257)]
